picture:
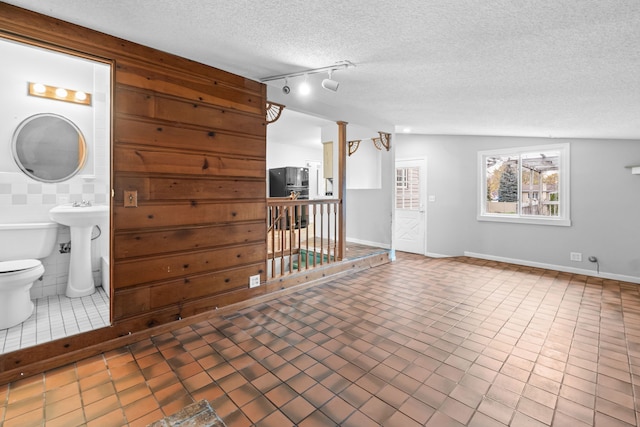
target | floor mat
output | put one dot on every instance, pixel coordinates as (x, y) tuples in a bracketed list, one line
[(199, 414)]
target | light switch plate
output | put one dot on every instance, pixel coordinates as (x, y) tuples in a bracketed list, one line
[(130, 198)]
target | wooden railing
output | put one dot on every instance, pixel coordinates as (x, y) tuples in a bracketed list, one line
[(301, 234)]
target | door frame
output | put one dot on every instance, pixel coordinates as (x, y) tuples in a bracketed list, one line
[(424, 199)]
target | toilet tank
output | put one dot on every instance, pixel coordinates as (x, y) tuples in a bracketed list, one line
[(27, 240)]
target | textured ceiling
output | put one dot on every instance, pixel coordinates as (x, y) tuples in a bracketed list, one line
[(560, 68)]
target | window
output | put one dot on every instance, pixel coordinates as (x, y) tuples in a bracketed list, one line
[(527, 185), (408, 188)]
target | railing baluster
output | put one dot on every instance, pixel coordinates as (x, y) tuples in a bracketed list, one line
[(322, 210), (272, 225), (335, 231), (286, 238)]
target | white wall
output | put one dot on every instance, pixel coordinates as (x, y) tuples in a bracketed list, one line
[(605, 205), (368, 210), (281, 155)]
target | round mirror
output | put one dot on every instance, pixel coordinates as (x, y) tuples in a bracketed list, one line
[(49, 147)]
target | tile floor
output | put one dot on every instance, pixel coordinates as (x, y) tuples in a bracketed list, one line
[(57, 317), (435, 342)]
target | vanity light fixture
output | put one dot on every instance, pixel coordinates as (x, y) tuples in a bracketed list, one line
[(328, 84), (59, 93)]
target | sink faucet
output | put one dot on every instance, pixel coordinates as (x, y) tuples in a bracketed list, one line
[(83, 203)]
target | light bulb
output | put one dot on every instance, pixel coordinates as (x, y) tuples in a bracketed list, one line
[(305, 88), (39, 88), (61, 92), (81, 96)]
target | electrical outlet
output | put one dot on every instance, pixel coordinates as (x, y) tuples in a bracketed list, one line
[(254, 281), (575, 256)]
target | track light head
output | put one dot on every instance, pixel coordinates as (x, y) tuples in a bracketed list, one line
[(286, 89), (331, 85)]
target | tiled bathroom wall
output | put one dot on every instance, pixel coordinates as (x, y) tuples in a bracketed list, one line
[(23, 200)]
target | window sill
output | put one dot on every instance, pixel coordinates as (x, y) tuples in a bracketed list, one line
[(562, 222)]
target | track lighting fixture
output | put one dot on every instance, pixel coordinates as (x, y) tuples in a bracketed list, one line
[(304, 88), (329, 83)]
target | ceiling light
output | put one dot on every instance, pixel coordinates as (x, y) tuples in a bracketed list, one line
[(304, 88), (329, 83), (286, 89)]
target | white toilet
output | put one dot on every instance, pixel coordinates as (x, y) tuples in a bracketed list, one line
[(21, 248)]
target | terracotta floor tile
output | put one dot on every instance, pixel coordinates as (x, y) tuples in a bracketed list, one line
[(401, 420), (316, 419), (97, 409), (377, 410), (90, 381), (98, 392), (417, 410), (297, 409), (141, 408), (60, 377), (162, 381), (176, 403), (16, 410), (62, 407), (575, 410), (71, 418), (535, 410), (156, 370), (114, 418), (62, 392), (91, 366), (25, 390), (238, 419), (421, 341), (358, 419), (26, 419), (257, 409), (496, 410), (337, 409)]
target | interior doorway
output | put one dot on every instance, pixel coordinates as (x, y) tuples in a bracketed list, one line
[(410, 227)]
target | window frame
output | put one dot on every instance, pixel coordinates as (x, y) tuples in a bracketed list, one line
[(564, 209)]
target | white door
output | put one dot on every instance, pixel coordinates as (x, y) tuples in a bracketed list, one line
[(410, 216)]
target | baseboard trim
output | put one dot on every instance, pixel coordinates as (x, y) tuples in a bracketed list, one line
[(434, 255), (565, 269), (369, 243)]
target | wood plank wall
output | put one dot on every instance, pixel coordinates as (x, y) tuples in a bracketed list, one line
[(191, 140)]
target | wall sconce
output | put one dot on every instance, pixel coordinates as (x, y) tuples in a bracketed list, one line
[(59, 93), (384, 140)]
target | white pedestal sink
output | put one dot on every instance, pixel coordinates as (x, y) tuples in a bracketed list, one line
[(80, 220)]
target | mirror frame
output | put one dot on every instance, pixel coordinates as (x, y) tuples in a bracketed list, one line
[(82, 150)]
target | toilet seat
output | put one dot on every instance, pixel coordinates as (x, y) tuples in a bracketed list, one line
[(18, 265)]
